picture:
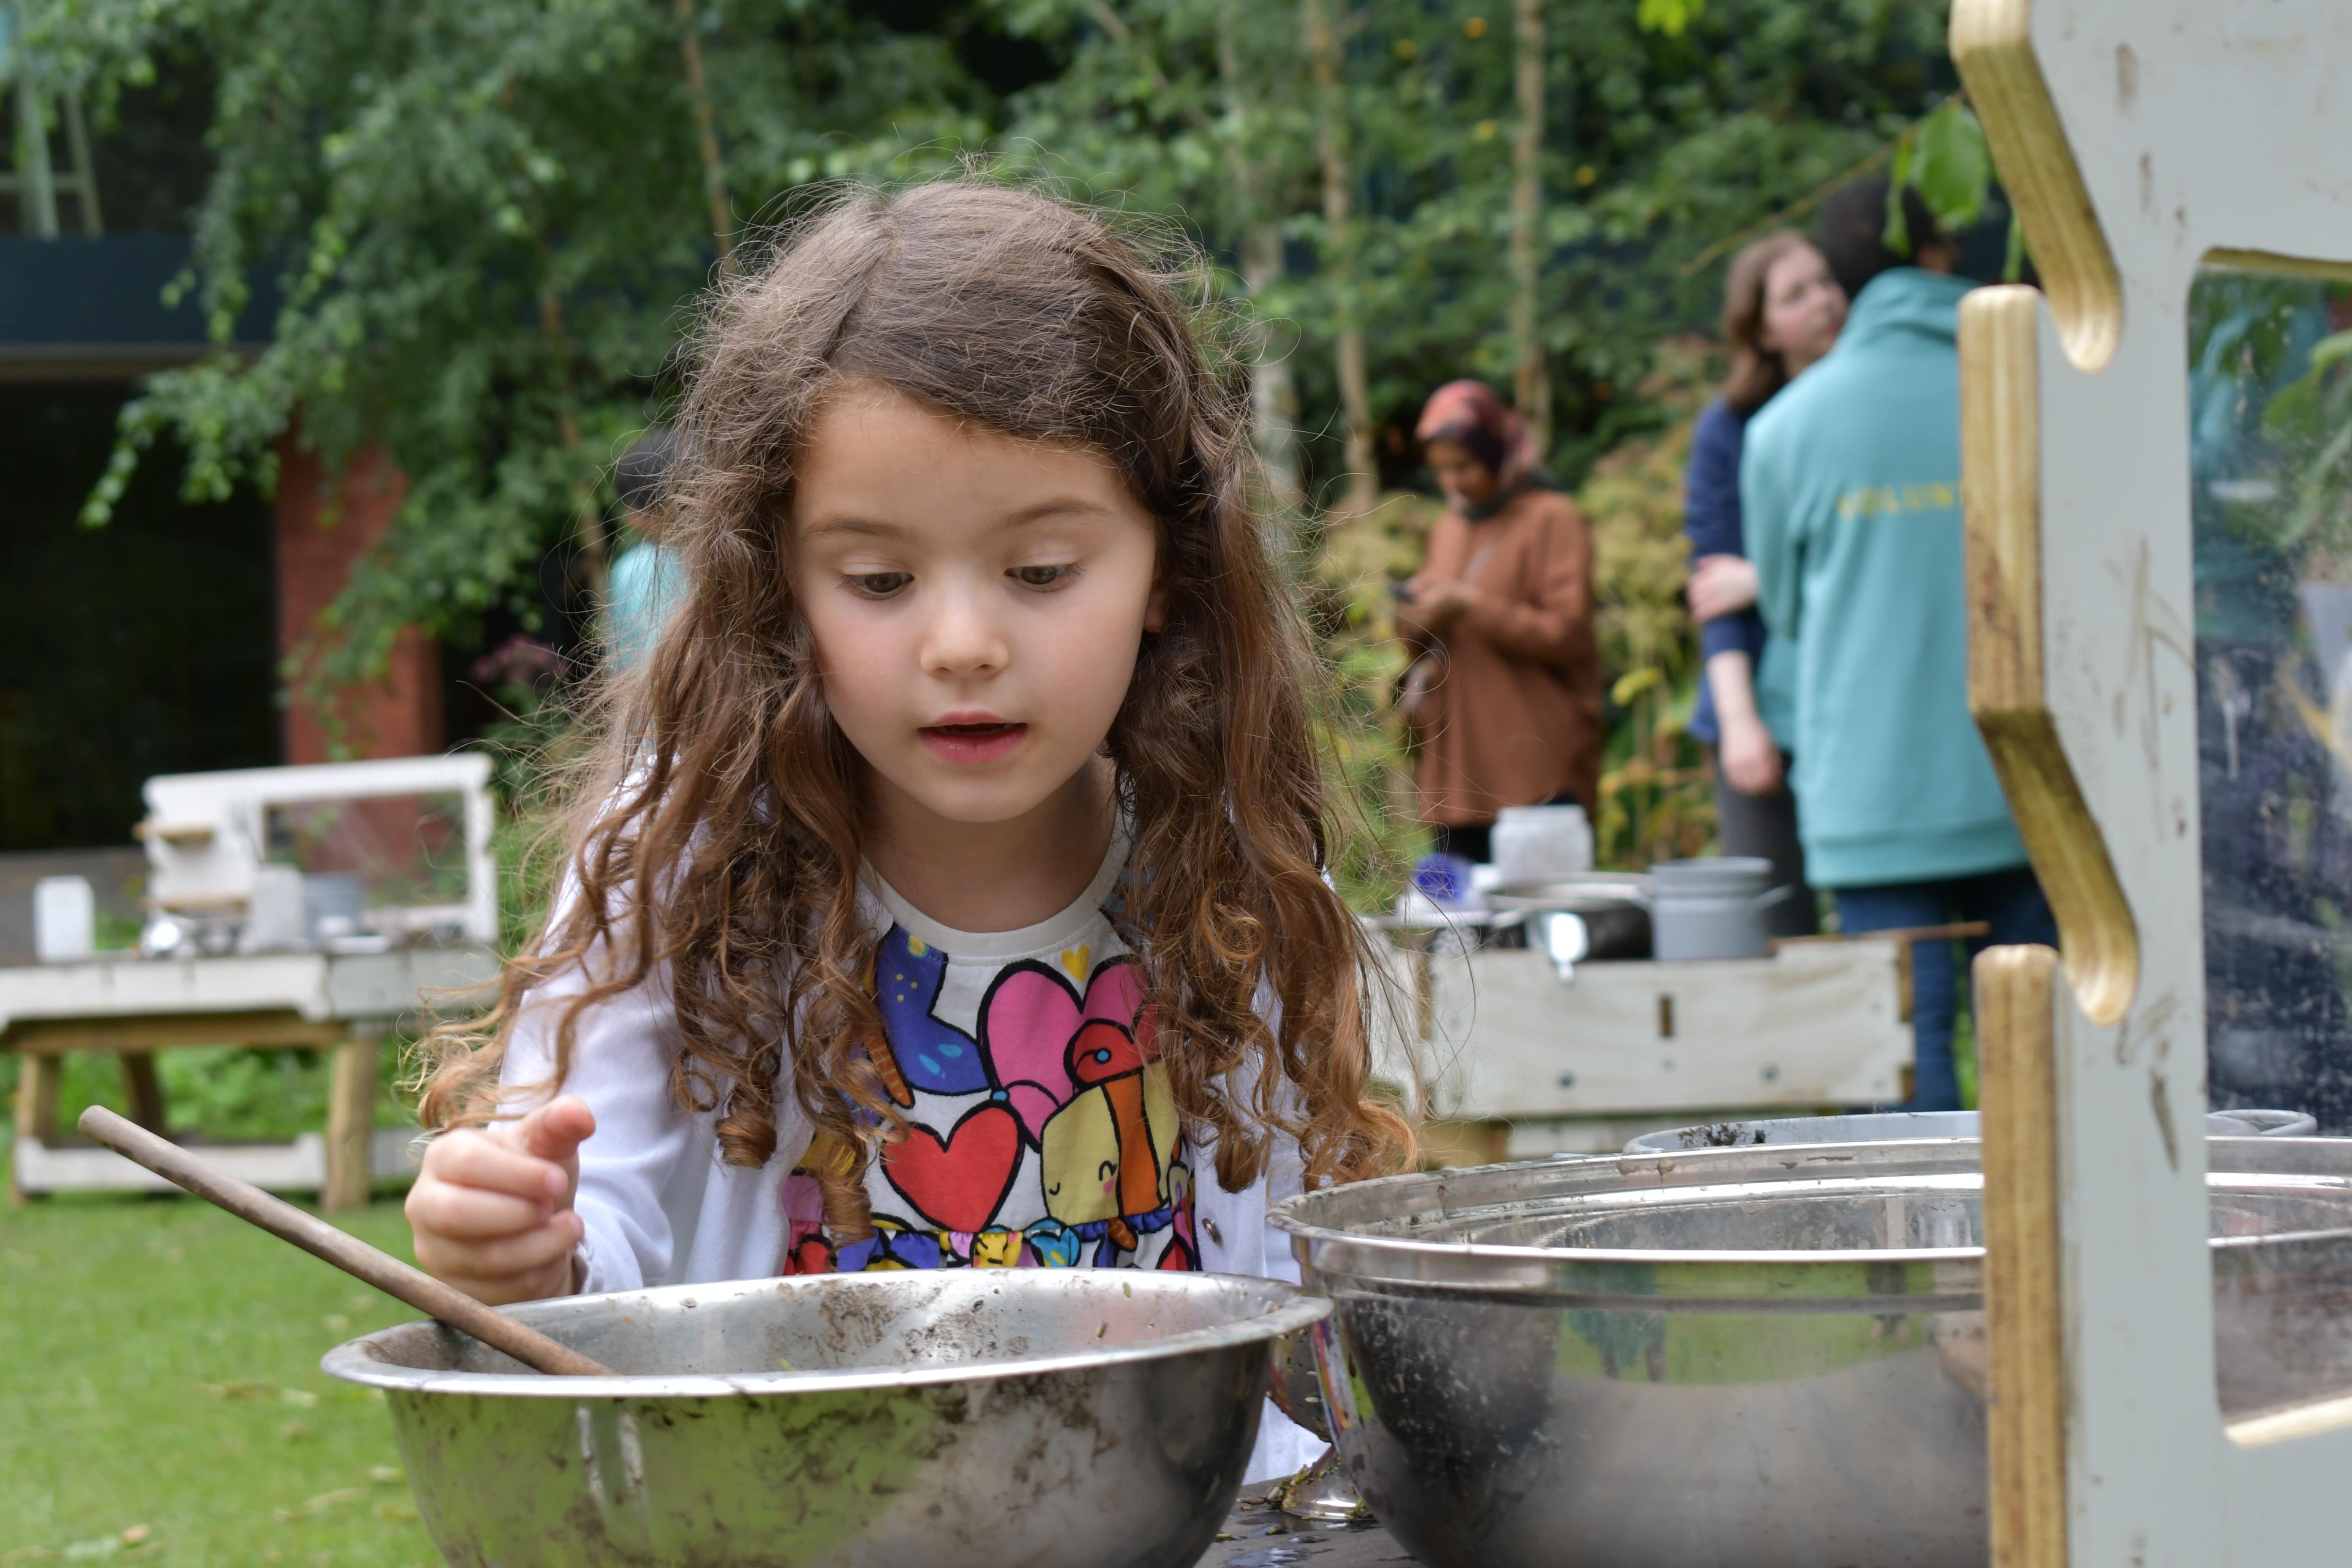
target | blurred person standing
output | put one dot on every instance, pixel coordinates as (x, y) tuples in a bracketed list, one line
[(646, 582), (1504, 693), (1850, 488), (1781, 311)]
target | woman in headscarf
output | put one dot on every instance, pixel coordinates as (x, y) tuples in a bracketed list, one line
[(1505, 691), (1781, 311)]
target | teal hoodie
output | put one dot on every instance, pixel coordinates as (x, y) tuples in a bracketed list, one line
[(1851, 484)]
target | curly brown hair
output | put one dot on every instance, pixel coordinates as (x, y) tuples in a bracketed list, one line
[(720, 777)]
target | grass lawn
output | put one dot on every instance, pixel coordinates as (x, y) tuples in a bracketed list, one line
[(161, 1398)]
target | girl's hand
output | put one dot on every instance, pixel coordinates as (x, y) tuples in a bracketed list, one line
[(491, 1211), (1721, 586), (1749, 757)]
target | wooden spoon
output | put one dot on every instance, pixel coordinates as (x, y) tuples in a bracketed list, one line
[(348, 1253)]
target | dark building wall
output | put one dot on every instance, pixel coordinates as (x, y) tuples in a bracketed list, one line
[(143, 648)]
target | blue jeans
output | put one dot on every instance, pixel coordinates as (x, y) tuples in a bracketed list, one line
[(2009, 901)]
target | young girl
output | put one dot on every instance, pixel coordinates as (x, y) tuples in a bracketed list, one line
[(952, 891)]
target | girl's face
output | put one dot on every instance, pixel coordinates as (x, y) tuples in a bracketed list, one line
[(977, 603), (1803, 308)]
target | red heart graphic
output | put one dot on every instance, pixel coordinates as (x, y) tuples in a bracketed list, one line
[(958, 1184)]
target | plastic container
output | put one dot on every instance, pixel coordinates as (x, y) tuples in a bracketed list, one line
[(65, 920), (1541, 842)]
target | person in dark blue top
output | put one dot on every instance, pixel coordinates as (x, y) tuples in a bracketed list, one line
[(1781, 311)]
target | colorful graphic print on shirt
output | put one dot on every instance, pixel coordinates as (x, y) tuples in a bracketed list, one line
[(1050, 1140)]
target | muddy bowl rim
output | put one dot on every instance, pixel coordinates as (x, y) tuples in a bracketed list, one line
[(361, 1361), (1342, 1260)]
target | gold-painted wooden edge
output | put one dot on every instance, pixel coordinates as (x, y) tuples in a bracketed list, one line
[(2270, 261), (2001, 510), (2016, 991), (1992, 45)]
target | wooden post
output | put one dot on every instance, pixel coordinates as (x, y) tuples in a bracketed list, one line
[(143, 1091), (2017, 1080), (350, 1124), (37, 1110)]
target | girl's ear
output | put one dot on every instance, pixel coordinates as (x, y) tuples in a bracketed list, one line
[(1155, 608)]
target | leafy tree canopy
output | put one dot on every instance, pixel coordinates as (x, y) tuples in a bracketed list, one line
[(485, 221)]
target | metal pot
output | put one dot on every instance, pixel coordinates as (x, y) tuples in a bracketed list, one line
[(1736, 1358), (1714, 907), (981, 1417), (1597, 916)]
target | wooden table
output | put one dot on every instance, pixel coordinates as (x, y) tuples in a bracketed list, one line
[(133, 1007)]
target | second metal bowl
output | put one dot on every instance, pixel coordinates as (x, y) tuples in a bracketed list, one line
[(1736, 1358)]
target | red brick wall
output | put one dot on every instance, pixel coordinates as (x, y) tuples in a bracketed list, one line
[(324, 526)]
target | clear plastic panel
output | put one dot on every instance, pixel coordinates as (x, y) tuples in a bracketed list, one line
[(2271, 471), (407, 851)]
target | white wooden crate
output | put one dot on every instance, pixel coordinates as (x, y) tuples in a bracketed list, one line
[(1818, 1023)]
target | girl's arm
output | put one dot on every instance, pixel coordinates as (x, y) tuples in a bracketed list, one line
[(539, 1207)]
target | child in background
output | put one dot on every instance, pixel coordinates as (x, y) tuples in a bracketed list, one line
[(952, 891), (647, 585)]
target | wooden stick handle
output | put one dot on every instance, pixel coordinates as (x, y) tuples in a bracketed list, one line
[(348, 1253)]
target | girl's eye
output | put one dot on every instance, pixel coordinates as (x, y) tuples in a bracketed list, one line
[(1040, 576), (880, 585)]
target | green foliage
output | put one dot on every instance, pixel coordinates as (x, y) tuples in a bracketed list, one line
[(1351, 602), (1655, 800), (481, 220), (1947, 160), (1668, 17)]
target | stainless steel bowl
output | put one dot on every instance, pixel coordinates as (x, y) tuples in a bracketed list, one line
[(1736, 1358), (983, 1417), (1878, 1127)]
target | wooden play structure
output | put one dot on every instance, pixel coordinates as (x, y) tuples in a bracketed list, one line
[(2147, 144)]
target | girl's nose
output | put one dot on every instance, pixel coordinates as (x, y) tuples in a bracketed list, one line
[(962, 637)]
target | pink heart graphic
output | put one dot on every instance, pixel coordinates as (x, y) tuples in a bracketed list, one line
[(1032, 1015), (957, 1183)]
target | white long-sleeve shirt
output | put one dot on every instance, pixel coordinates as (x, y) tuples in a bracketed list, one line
[(1016, 1057)]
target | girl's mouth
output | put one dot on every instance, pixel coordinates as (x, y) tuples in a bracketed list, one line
[(980, 743)]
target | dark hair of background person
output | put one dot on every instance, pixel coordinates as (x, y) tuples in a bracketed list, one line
[(720, 776), (644, 469), (1756, 372), (1852, 232)]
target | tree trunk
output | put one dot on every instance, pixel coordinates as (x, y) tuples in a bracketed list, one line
[(1339, 219), (1274, 397), (706, 130), (1532, 390)]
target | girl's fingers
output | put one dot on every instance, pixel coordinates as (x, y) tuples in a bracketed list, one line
[(470, 1159), (469, 1212), (458, 1262)]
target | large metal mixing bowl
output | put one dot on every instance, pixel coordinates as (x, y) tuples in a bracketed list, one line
[(984, 1416), (1736, 1358), (1878, 1127)]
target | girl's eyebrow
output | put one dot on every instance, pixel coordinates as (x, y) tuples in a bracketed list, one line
[(1020, 516), (859, 525)]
